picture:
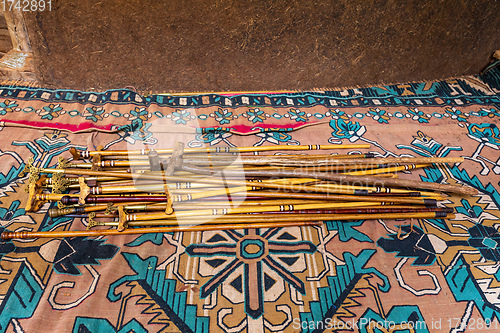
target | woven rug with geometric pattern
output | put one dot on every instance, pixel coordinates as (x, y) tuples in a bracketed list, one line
[(344, 276)]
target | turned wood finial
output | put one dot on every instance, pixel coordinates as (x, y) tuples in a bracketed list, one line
[(34, 202), (122, 224), (168, 209), (176, 159), (84, 191)]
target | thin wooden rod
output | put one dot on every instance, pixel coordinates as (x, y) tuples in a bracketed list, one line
[(376, 189), (87, 154), (55, 212), (99, 205), (347, 179), (134, 231), (97, 199), (298, 217), (250, 220), (388, 169), (241, 210), (131, 206), (291, 185), (329, 168), (312, 161), (250, 203), (240, 202), (296, 213), (234, 155), (235, 210), (138, 183), (142, 160), (278, 184), (264, 195), (302, 195), (343, 179)]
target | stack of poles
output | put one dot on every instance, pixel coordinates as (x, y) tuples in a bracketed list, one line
[(178, 189)]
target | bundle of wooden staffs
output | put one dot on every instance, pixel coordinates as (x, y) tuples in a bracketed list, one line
[(181, 189)]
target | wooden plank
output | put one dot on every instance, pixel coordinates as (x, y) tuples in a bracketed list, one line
[(18, 31), (5, 44), (16, 61), (3, 22), (4, 32)]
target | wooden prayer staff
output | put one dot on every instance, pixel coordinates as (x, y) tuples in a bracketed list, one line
[(343, 179), (81, 211), (343, 211), (315, 160), (293, 185), (388, 169), (87, 154), (242, 210), (140, 160), (248, 162), (134, 231), (374, 190), (180, 163), (95, 199), (88, 194), (280, 218), (186, 186)]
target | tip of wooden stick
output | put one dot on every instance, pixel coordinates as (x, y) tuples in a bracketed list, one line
[(469, 190)]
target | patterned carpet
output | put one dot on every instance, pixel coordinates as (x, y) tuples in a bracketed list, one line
[(442, 276)]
